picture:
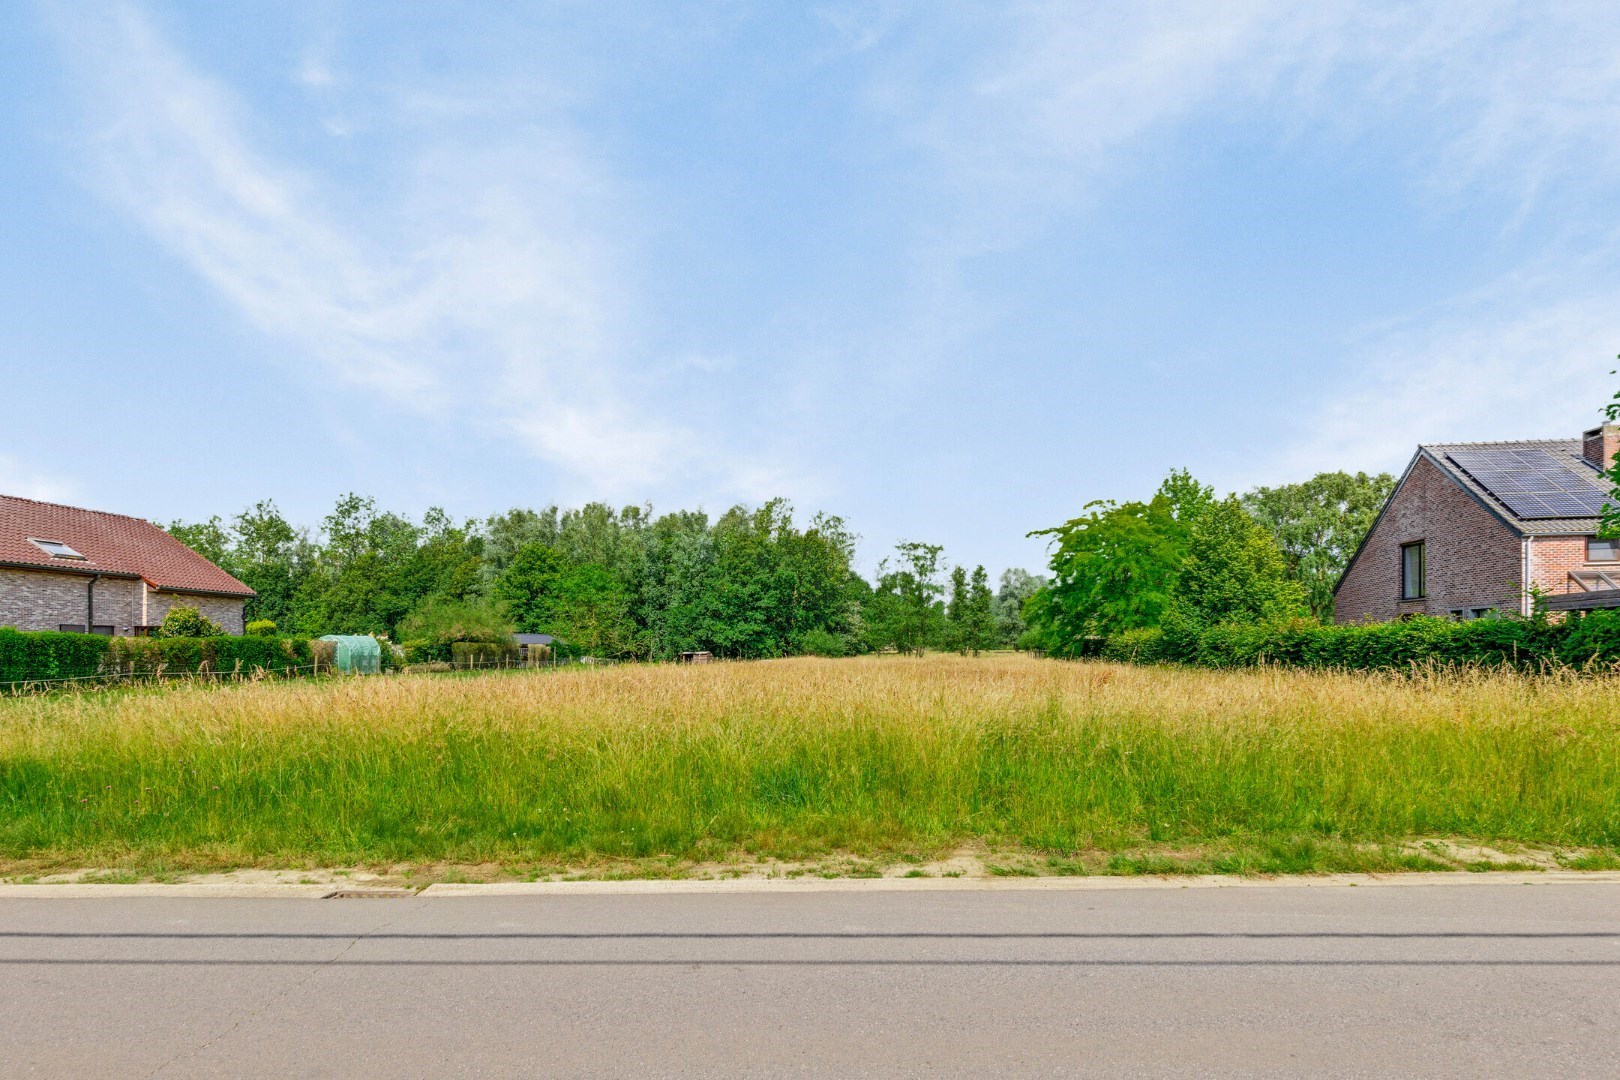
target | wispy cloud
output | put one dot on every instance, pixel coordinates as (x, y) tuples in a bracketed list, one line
[(476, 292), (1525, 358), (1509, 103), (1052, 96)]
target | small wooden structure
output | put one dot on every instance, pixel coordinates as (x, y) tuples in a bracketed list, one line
[(699, 656), (533, 648)]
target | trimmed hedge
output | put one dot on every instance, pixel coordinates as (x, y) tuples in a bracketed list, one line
[(48, 654), (37, 656), (148, 656), (1580, 640)]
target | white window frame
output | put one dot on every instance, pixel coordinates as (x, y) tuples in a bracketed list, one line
[(67, 551)]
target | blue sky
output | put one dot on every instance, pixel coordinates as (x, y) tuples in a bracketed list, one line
[(950, 270)]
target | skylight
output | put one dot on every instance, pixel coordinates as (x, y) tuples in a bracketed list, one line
[(55, 549)]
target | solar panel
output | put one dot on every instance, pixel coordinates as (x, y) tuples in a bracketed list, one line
[(1534, 482)]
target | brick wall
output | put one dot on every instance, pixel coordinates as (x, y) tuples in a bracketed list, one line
[(1600, 445), (224, 610), (1553, 557), (1474, 560), (46, 600)]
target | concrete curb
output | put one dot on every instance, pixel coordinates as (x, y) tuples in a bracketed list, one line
[(199, 891), (1445, 879)]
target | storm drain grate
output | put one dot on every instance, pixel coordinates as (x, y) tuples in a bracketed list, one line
[(369, 894)]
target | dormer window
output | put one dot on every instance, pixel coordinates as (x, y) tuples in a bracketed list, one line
[(55, 549)]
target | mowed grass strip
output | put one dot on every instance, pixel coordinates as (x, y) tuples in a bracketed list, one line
[(797, 759)]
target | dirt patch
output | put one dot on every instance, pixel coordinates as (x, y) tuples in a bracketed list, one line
[(969, 861), (1472, 856)]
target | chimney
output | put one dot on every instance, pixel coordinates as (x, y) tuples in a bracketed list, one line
[(1599, 445)]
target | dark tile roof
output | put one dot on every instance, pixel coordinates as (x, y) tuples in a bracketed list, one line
[(1563, 451), (110, 543)]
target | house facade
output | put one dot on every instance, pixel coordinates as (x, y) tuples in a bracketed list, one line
[(1474, 529), (65, 568)]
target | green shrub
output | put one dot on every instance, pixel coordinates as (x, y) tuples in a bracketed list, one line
[(423, 651), (1144, 645), (188, 622), (1592, 638), (28, 656), (456, 620), (387, 659), (822, 643), (262, 628)]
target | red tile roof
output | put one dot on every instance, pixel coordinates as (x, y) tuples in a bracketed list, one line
[(110, 544)]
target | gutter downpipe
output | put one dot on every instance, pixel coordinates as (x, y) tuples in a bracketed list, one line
[(90, 604), (1524, 588)]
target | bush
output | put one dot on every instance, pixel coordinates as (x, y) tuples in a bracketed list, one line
[(1141, 646), (474, 654), (25, 657), (262, 628), (1592, 638), (188, 622), (429, 633), (387, 659), (422, 651), (822, 643), (441, 620)]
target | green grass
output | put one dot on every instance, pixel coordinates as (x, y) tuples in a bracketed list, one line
[(1076, 767)]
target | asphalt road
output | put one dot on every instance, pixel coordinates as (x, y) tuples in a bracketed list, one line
[(1487, 980)]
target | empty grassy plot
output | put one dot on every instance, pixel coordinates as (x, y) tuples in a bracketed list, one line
[(1068, 767)]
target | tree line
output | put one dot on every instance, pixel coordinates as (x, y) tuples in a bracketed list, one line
[(607, 581), (1186, 560)]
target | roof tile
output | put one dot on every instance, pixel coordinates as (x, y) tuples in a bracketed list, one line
[(110, 544)]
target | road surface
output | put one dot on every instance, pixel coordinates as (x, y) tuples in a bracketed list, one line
[(1485, 980)]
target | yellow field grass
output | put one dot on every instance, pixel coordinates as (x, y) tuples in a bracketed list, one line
[(1045, 765)]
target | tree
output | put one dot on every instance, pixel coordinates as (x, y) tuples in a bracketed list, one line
[(591, 613), (956, 613), (1115, 568), (207, 538), (1017, 586), (1318, 524), (528, 586), (979, 617), (275, 560), (917, 588), (1233, 572)]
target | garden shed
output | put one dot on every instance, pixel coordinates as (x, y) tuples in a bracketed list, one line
[(357, 654), (533, 648)]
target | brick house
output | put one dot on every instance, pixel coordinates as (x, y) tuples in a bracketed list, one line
[(63, 568), (1472, 528)]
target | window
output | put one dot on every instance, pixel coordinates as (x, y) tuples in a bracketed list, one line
[(1482, 613), (71, 627), (1602, 550), (55, 549), (1412, 572)]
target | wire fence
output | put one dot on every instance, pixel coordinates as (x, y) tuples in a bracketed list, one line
[(328, 670)]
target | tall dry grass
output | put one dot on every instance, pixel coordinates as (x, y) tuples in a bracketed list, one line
[(802, 757)]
